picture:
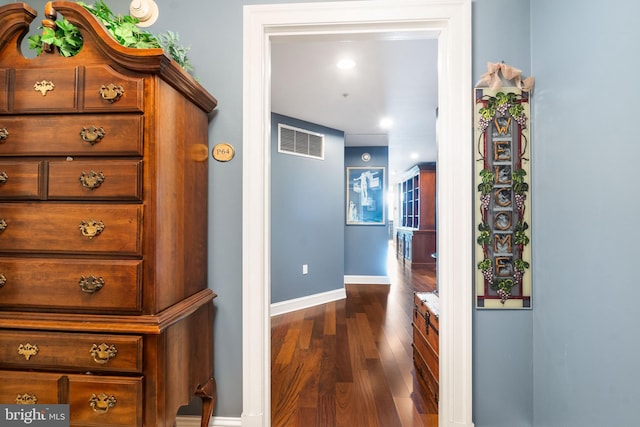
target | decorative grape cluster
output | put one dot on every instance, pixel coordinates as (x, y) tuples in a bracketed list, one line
[(520, 198), (502, 109), (504, 295), (517, 276), (484, 201), (488, 276), (522, 121), (484, 123)]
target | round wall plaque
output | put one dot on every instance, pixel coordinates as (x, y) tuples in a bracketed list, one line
[(366, 157), (223, 152)]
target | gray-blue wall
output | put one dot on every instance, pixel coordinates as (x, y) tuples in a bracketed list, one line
[(213, 30), (373, 238), (503, 340), (585, 213), (570, 361), (307, 216)]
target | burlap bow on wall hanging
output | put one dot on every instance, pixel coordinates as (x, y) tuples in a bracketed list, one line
[(499, 70)]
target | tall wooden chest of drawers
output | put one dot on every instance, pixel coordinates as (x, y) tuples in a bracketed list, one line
[(426, 342), (104, 302)]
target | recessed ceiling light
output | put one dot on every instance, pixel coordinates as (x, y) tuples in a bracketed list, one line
[(414, 155), (386, 123), (346, 64)]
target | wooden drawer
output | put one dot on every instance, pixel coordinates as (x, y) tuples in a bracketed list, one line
[(45, 89), (20, 180), (71, 284), (67, 351), (103, 401), (97, 180), (72, 135), (100, 401), (427, 353), (32, 387), (103, 82), (425, 378), (56, 90), (58, 228)]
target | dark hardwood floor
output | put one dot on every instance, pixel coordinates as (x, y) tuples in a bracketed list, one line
[(349, 363)]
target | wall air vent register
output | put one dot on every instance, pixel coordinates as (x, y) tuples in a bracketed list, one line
[(300, 142)]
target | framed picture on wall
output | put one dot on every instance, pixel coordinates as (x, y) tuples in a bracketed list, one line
[(365, 195)]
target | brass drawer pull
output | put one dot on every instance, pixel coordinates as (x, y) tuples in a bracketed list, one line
[(4, 134), (92, 134), (111, 92), (27, 350), (102, 403), (3, 177), (91, 179), (3, 280), (91, 228), (103, 353), (43, 87), (3, 224), (91, 284), (26, 399)]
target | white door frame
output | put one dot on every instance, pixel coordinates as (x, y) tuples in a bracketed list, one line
[(451, 21)]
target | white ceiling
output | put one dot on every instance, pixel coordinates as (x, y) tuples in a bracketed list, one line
[(395, 76)]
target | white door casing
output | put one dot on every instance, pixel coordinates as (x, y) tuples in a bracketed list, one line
[(451, 21)]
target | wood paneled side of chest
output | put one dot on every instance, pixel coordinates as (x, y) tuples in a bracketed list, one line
[(426, 343)]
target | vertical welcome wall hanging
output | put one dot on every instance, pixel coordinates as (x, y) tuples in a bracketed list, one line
[(502, 171)]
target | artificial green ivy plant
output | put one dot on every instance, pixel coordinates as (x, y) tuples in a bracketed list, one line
[(123, 29)]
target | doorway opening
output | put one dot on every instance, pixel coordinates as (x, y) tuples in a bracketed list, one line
[(451, 20), (351, 252)]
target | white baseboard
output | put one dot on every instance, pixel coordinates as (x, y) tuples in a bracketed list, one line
[(367, 280), (308, 301), (194, 421)]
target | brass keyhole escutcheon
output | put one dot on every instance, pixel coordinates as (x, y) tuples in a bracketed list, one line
[(28, 350), (3, 177), (26, 399), (4, 134), (3, 280), (43, 87), (3, 225)]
